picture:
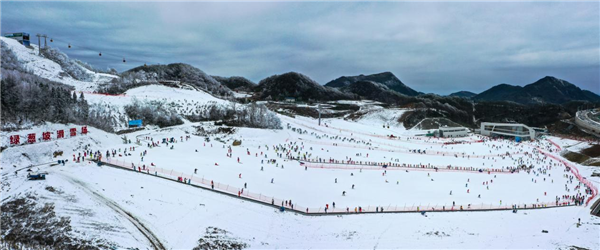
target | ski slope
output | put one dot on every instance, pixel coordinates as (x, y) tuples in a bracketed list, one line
[(312, 165), (45, 68), (177, 214)]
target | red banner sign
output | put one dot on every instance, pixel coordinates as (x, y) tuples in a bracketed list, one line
[(15, 139), (31, 138), (46, 136), (84, 130), (60, 134), (73, 131)]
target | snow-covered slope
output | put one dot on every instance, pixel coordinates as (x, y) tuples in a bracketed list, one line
[(104, 202), (46, 68), (312, 165)]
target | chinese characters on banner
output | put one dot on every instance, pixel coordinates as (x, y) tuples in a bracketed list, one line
[(15, 139), (31, 138), (46, 136)]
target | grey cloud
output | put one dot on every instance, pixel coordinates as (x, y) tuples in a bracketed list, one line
[(432, 47)]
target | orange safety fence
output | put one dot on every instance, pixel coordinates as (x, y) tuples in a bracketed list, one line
[(427, 152), (381, 136), (412, 167), (270, 200), (575, 172), (556, 145), (104, 94)]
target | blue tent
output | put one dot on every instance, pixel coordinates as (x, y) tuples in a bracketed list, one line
[(135, 123)]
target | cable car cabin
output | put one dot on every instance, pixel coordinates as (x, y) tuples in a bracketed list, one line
[(22, 37)]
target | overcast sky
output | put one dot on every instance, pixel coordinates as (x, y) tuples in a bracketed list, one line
[(431, 47)]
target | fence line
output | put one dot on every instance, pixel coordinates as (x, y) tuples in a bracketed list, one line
[(407, 150), (206, 183), (575, 172), (414, 167)]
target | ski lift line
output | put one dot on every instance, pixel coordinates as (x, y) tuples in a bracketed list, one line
[(100, 53)]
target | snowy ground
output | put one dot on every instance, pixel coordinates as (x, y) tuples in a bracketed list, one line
[(314, 188), (178, 214), (136, 210)]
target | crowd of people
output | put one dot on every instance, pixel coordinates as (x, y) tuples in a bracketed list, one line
[(525, 157)]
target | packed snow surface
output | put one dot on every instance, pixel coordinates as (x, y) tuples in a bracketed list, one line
[(178, 214), (311, 165)]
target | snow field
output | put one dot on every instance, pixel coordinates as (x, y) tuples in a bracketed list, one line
[(179, 213), (314, 188)]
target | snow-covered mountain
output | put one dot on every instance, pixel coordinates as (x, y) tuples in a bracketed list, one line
[(41, 66), (161, 95), (181, 73), (237, 83), (385, 78), (299, 86), (545, 90)]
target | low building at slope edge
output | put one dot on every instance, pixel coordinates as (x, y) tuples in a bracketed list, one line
[(450, 132), (22, 37), (516, 130)]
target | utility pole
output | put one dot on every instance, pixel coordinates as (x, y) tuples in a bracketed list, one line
[(319, 108), (45, 44), (39, 44)]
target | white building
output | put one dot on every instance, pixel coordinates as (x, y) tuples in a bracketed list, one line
[(453, 131), (517, 130)]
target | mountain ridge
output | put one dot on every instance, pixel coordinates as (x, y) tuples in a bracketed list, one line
[(386, 78), (548, 89)]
